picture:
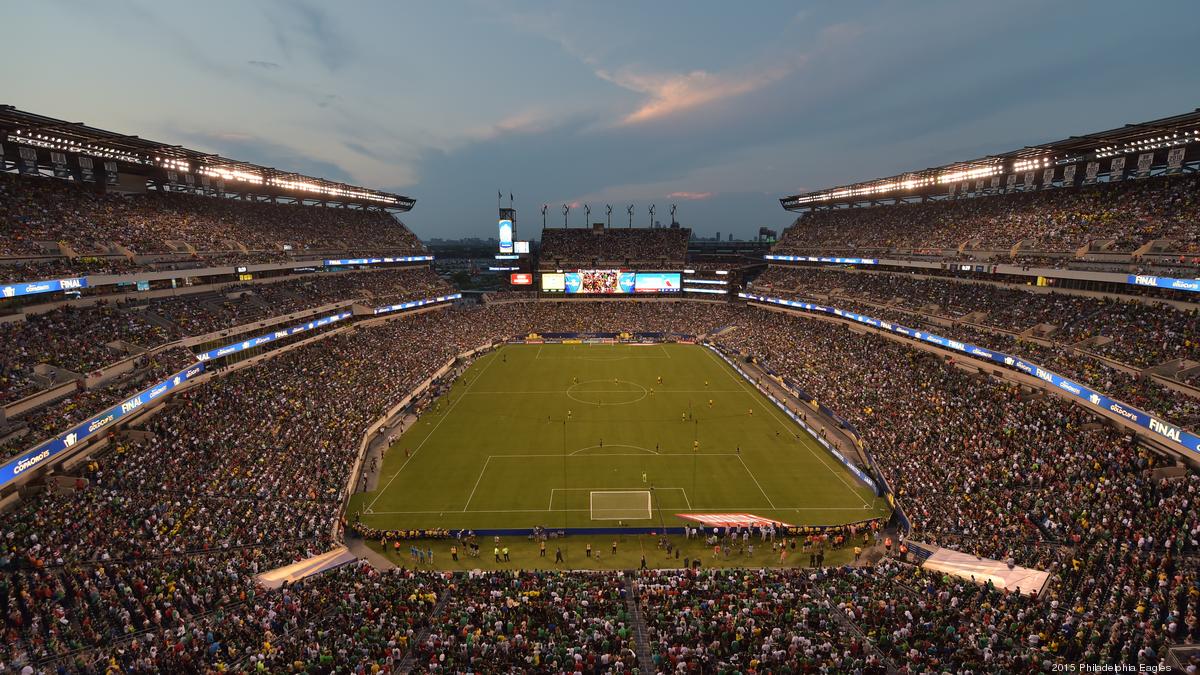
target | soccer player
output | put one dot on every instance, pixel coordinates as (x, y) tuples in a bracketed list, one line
[(558, 555), (750, 412), (710, 403), (660, 379), (542, 549), (695, 445), (643, 480)]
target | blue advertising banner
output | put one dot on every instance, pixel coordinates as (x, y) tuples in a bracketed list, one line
[(269, 337), (16, 290), (41, 454), (1156, 426), (417, 303), (809, 258), (1165, 282), (376, 261)]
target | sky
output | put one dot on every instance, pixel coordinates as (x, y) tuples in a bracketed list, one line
[(718, 107)]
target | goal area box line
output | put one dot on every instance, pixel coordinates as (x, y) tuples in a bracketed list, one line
[(620, 505)]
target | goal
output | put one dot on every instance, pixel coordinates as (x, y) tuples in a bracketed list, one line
[(621, 505)]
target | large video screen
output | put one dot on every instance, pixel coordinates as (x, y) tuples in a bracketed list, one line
[(553, 283), (600, 282), (506, 236), (657, 282)]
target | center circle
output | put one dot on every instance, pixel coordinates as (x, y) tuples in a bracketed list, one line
[(607, 392)]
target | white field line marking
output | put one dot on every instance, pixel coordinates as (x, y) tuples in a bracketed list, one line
[(553, 490), (774, 414), (611, 391), (760, 488), (615, 445), (722, 509), (433, 430), (621, 454), (481, 472)]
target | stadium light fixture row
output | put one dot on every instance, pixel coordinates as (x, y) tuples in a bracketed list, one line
[(1158, 142), (68, 145), (1019, 166)]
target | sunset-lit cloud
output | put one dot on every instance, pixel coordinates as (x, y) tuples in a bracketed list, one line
[(670, 93), (691, 196)]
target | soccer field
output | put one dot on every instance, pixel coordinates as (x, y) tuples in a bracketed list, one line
[(586, 435)]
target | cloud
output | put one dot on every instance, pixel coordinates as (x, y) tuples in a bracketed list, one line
[(671, 93), (306, 30), (691, 196), (250, 148), (265, 65)]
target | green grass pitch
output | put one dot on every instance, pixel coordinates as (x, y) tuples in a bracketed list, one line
[(529, 432)]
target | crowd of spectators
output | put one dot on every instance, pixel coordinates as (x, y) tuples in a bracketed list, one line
[(74, 338), (1128, 213), (986, 468), (148, 565), (531, 622), (756, 621), (27, 428), (237, 305), (564, 246), (81, 339), (38, 213), (1135, 332)]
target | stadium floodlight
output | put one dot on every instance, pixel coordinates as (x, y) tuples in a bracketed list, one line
[(566, 210), (608, 215), (673, 207), (544, 207), (651, 209), (630, 212), (587, 216)]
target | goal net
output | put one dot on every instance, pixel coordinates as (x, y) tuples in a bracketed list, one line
[(621, 505)]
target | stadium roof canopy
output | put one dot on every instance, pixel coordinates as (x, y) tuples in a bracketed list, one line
[(1158, 138), (178, 165)]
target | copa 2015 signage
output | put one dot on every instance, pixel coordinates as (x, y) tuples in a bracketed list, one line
[(250, 343), (1192, 285), (1156, 426), (11, 470), (412, 304), (376, 261), (37, 287)]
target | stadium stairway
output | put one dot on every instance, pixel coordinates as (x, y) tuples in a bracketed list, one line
[(850, 627), (406, 664), (639, 627)]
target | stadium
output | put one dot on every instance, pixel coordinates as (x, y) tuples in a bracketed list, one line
[(947, 421)]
